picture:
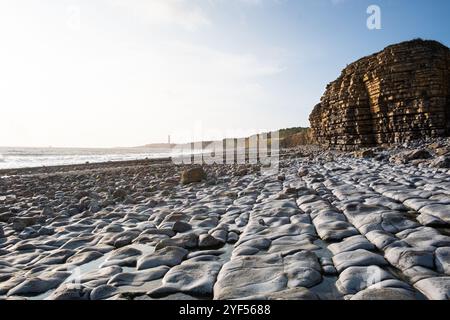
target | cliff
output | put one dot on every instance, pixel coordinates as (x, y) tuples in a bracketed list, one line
[(396, 95)]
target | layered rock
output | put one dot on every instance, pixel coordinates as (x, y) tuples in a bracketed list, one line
[(397, 95)]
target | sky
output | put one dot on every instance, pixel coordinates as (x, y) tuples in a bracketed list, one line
[(107, 73)]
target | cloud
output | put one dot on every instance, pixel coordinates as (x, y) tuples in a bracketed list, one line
[(338, 2), (131, 88), (243, 65), (188, 14), (182, 13), (251, 2)]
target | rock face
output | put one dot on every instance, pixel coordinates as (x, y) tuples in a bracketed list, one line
[(397, 95)]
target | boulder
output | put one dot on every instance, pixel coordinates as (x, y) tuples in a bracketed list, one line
[(350, 244), (181, 226), (355, 279), (417, 154), (138, 278), (119, 194), (168, 256), (194, 278), (384, 294), (442, 260), (358, 257), (192, 175), (435, 288), (368, 153), (441, 162), (208, 241)]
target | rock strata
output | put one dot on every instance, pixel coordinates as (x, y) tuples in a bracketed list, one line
[(399, 94)]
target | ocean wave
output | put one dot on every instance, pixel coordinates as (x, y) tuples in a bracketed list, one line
[(15, 161)]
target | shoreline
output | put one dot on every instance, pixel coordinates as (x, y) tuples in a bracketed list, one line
[(82, 166), (300, 150)]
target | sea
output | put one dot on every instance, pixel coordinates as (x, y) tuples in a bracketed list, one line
[(11, 157)]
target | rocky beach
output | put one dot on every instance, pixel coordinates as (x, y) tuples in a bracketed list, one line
[(202, 159), (369, 224)]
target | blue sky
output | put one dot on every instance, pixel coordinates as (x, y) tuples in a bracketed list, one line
[(129, 72)]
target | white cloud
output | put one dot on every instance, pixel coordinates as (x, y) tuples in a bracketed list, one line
[(182, 13), (98, 86), (252, 2), (225, 64)]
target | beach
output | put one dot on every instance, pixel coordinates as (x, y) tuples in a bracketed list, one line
[(328, 225)]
